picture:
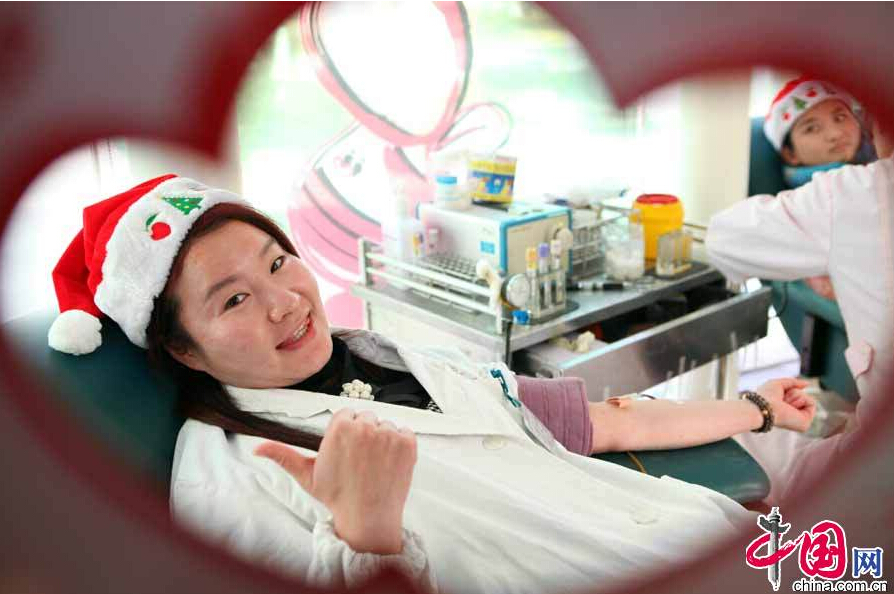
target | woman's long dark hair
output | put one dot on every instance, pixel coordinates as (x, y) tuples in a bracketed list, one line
[(201, 396)]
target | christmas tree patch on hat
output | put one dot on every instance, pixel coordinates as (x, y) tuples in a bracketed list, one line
[(795, 98), (120, 261)]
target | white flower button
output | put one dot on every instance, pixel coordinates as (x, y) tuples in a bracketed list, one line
[(357, 389)]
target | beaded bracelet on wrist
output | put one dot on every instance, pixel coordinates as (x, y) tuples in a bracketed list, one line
[(766, 411)]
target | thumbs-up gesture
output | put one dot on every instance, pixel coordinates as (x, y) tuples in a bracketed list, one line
[(362, 474)]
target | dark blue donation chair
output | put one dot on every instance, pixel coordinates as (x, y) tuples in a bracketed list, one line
[(813, 323)]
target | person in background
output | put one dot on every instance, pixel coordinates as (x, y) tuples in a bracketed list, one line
[(840, 224), (814, 127)]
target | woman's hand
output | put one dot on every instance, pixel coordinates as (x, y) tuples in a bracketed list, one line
[(792, 407), (362, 474)]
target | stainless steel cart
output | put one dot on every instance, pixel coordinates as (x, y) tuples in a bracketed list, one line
[(715, 322)]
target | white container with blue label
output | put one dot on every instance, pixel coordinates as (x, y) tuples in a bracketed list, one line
[(448, 193)]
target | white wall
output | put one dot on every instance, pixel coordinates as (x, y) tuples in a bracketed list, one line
[(43, 224), (714, 168), (693, 143), (765, 84)]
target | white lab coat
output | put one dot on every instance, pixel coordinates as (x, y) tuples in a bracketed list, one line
[(841, 224), (489, 509)]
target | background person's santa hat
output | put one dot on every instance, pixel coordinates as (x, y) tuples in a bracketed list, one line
[(120, 261), (795, 98)]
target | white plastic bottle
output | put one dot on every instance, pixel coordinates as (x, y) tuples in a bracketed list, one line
[(402, 234), (449, 174), (447, 192)]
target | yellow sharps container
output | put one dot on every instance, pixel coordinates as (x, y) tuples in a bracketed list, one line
[(659, 214)]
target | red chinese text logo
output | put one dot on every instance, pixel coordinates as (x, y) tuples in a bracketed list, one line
[(822, 550)]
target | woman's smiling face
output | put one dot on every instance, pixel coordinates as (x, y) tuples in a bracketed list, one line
[(252, 309)]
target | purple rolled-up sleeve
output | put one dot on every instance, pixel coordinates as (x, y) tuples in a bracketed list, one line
[(561, 404)]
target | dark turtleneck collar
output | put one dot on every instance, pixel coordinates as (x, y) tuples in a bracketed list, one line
[(328, 380), (389, 386)]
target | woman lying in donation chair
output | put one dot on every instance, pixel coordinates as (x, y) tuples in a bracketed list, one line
[(331, 453)]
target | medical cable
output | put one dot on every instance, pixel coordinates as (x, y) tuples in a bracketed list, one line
[(507, 353)]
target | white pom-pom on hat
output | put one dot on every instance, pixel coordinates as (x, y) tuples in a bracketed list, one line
[(75, 332)]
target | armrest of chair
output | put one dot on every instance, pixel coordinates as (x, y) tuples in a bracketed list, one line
[(799, 293), (723, 466)]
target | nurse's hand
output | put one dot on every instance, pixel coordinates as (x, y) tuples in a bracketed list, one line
[(362, 474), (822, 286), (792, 407)]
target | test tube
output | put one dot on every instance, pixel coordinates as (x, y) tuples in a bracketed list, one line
[(543, 279), (543, 258), (432, 237), (418, 243), (531, 274), (555, 249)]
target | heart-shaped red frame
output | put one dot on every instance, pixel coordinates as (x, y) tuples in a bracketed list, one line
[(72, 519)]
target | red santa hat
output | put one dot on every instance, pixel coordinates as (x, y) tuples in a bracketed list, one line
[(119, 262), (795, 98)]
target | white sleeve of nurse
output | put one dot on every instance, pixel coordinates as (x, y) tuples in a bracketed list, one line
[(782, 237)]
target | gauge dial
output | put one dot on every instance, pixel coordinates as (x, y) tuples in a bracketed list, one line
[(517, 290)]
